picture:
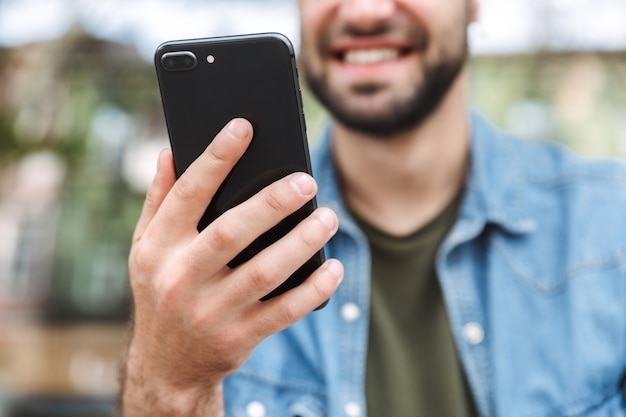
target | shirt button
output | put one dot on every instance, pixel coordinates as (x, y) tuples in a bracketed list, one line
[(255, 409), (473, 333), (352, 409), (350, 312)]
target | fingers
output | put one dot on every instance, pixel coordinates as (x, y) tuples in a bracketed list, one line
[(274, 315), (228, 235), (174, 207), (161, 185), (272, 266), (192, 192)]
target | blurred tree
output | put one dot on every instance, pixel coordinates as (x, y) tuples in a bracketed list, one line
[(53, 96)]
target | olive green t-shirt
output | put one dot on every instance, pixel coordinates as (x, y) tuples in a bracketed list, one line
[(413, 368)]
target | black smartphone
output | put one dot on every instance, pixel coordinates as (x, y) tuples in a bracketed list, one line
[(205, 83)]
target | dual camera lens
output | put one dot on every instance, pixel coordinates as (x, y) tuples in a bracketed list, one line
[(179, 61)]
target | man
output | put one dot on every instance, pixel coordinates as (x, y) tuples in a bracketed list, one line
[(483, 275)]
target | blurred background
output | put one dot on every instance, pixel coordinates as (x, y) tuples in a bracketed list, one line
[(81, 125)]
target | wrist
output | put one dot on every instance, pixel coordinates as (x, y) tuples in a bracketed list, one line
[(171, 403), (147, 393)]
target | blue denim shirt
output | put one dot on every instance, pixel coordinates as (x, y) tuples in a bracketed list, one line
[(534, 279)]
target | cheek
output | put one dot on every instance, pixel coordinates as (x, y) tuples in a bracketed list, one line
[(307, 25), (315, 15)]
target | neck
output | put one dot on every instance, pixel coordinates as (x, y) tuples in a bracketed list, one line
[(398, 184)]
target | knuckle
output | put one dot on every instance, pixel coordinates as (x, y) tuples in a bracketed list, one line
[(141, 259), (267, 325), (312, 237), (288, 312), (216, 154), (137, 256), (169, 288), (166, 292), (260, 277), (274, 201), (322, 289), (185, 188), (221, 237)]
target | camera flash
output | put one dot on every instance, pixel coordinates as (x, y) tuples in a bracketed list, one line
[(210, 59)]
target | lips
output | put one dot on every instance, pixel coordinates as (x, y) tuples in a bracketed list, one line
[(371, 60)]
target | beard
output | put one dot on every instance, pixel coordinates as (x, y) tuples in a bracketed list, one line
[(384, 114)]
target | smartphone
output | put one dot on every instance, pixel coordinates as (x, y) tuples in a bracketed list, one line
[(204, 83)]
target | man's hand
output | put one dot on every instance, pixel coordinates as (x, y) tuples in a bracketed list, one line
[(195, 319)]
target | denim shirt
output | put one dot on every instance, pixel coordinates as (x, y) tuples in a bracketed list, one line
[(533, 275)]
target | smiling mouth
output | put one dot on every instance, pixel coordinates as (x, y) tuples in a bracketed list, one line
[(368, 56)]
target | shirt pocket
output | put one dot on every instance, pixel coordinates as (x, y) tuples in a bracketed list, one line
[(258, 395), (565, 325), (549, 267), (613, 406)]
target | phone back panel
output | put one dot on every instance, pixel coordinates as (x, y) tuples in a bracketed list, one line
[(254, 77)]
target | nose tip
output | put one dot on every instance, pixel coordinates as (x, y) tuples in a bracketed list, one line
[(366, 15)]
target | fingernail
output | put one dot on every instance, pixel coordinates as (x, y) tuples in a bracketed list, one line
[(303, 183), (159, 163), (238, 130), (336, 269), (327, 217)]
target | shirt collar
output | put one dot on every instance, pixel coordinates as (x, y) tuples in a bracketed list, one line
[(496, 182), (494, 187)]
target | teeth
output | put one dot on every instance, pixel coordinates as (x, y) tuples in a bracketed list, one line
[(371, 56)]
